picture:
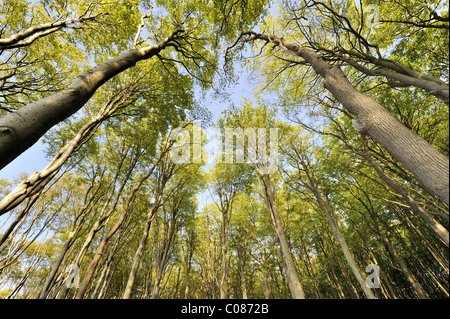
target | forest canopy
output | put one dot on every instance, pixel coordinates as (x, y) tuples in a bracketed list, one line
[(329, 181)]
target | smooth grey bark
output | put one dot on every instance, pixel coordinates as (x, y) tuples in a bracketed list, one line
[(31, 34), (21, 129), (37, 181), (294, 282), (428, 165)]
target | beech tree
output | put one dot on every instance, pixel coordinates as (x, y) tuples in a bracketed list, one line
[(332, 182)]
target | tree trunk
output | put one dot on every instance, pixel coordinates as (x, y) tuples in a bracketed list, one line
[(98, 254), (187, 283), (48, 281), (325, 207), (336, 280), (223, 287), (400, 261), (265, 282), (243, 283), (415, 207), (106, 269), (140, 250), (429, 166), (295, 285), (164, 258), (21, 129)]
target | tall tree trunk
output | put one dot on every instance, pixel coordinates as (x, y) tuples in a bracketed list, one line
[(140, 250), (106, 269), (164, 258), (309, 267), (51, 276), (75, 228), (243, 283), (437, 255), (400, 261), (335, 280), (187, 278), (295, 285), (103, 217), (429, 166), (265, 281), (98, 254)]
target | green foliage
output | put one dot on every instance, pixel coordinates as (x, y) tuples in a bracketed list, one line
[(315, 138)]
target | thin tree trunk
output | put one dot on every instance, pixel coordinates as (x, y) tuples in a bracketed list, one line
[(401, 262), (223, 287), (388, 244), (187, 283), (21, 129), (329, 214), (98, 254), (243, 283), (164, 258), (434, 225), (106, 270), (140, 250), (42, 294), (265, 284), (295, 285), (336, 280)]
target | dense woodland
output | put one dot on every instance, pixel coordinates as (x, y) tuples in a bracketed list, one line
[(357, 92)]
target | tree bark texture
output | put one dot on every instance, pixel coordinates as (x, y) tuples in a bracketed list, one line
[(428, 165)]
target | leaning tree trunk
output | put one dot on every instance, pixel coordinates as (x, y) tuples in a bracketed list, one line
[(21, 129), (428, 165), (98, 254), (325, 207), (140, 250), (399, 259), (295, 285), (415, 206), (163, 259)]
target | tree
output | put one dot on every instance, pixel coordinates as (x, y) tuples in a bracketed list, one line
[(315, 187), (261, 118), (429, 166), (226, 182)]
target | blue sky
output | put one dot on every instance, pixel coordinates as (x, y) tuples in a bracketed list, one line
[(34, 158), (29, 161)]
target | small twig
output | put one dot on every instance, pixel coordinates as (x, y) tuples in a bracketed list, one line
[(138, 33)]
